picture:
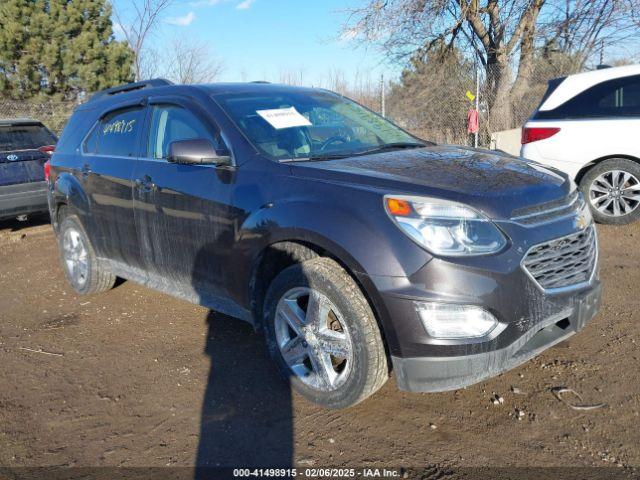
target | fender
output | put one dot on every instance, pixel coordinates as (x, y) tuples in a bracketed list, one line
[(297, 221), (364, 247), (67, 190), (372, 245)]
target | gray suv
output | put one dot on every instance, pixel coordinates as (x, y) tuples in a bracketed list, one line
[(357, 248)]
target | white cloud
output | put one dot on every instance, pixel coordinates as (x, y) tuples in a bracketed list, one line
[(348, 35), (183, 21), (204, 3), (240, 5), (118, 30), (244, 5)]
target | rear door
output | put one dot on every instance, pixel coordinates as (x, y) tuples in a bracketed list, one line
[(183, 213), (108, 160), (21, 160)]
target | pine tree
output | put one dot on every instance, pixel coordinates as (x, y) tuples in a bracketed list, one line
[(59, 48), (18, 69)]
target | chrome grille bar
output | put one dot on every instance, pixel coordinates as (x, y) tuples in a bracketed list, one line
[(550, 211), (563, 263)]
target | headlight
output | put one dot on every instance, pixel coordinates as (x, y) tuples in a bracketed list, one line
[(444, 227)]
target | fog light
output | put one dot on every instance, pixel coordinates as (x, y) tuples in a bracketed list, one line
[(449, 321)]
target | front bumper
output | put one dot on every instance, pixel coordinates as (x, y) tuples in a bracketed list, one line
[(437, 374), (531, 318), (22, 199)]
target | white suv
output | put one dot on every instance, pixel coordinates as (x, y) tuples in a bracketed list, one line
[(588, 125)]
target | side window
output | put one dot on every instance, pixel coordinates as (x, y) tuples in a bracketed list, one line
[(116, 134), (613, 98), (170, 123), (625, 96)]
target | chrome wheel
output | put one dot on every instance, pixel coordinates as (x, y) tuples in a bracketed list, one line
[(615, 193), (75, 255), (313, 339)]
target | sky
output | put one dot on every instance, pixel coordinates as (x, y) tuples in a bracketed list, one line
[(261, 39)]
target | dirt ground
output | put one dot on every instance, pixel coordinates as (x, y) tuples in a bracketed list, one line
[(133, 378)]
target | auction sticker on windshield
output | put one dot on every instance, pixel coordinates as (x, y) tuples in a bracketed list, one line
[(280, 118)]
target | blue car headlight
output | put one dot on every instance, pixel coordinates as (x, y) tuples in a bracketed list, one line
[(443, 227)]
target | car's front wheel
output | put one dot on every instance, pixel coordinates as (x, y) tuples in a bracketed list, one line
[(323, 334), (612, 188)]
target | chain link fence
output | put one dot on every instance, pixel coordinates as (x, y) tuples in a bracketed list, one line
[(53, 114), (433, 100)]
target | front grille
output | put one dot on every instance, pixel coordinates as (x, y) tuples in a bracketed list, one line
[(563, 262), (550, 211)]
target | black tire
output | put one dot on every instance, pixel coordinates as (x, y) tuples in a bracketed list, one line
[(368, 370), (96, 279), (622, 164)]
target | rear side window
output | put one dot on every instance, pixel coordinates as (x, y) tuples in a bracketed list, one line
[(25, 137), (624, 97), (116, 134), (619, 97)]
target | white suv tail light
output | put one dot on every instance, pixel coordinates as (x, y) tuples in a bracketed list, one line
[(534, 134)]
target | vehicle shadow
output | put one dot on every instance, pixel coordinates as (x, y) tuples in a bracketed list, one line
[(246, 418), (14, 225)]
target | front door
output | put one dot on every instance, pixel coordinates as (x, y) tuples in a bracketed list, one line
[(184, 216)]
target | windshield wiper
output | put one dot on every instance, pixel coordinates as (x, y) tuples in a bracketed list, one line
[(317, 157), (336, 156), (392, 146)]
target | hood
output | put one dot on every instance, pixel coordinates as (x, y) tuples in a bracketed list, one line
[(494, 183)]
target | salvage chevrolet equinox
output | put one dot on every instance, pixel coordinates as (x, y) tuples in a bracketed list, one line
[(356, 248)]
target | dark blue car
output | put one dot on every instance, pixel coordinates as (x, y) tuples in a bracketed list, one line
[(25, 146), (354, 246)]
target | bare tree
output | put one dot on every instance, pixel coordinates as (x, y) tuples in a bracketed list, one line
[(191, 61), (499, 32), (150, 65), (147, 16)]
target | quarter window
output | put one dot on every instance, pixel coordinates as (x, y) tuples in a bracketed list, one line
[(171, 123)]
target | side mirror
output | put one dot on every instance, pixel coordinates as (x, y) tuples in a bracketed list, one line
[(197, 151)]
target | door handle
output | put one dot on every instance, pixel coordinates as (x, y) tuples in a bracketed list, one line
[(85, 170), (144, 184)]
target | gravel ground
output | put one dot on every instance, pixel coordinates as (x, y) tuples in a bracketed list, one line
[(135, 378)]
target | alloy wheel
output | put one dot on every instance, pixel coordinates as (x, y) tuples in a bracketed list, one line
[(313, 338), (615, 193), (75, 255)]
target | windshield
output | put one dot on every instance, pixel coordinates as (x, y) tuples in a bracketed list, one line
[(305, 125)]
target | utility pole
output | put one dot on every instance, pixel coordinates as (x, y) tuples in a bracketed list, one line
[(382, 95), (475, 135), (477, 63)]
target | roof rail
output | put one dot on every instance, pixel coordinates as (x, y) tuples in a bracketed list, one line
[(129, 87), (259, 81)]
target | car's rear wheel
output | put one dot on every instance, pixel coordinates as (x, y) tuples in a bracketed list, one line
[(322, 333), (612, 189), (79, 260)]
